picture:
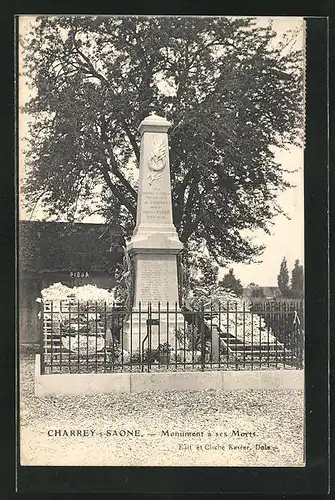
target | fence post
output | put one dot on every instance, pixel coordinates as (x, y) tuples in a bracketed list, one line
[(149, 338), (202, 337), (300, 336), (42, 340), (215, 344)]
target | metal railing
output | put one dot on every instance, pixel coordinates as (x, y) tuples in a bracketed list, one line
[(92, 337)]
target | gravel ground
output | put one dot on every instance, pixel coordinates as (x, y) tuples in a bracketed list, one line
[(268, 424)]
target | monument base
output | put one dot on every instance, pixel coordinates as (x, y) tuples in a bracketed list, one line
[(148, 331)]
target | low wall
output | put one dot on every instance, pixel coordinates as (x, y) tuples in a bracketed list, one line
[(58, 384)]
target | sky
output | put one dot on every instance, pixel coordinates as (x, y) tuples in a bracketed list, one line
[(287, 235)]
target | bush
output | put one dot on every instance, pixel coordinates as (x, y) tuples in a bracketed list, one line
[(161, 354), (190, 337), (116, 354)]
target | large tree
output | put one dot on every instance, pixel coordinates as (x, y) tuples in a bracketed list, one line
[(297, 280), (283, 279), (230, 88)]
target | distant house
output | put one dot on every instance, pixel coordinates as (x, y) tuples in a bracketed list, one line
[(52, 252), (267, 292)]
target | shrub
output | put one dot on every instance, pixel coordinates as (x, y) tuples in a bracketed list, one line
[(161, 354)]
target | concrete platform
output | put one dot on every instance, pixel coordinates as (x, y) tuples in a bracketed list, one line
[(95, 383)]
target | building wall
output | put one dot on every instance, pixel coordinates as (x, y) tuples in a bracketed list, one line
[(29, 324)]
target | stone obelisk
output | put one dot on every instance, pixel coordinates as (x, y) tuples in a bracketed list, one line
[(154, 244)]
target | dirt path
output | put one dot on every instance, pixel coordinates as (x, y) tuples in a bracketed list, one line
[(240, 428)]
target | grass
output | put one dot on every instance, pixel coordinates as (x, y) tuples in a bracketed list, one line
[(226, 419)]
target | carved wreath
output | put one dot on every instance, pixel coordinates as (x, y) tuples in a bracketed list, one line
[(157, 160)]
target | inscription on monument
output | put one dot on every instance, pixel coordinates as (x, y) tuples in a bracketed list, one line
[(156, 207), (158, 281)]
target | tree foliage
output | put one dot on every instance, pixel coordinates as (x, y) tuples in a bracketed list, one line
[(257, 293), (297, 280), (295, 289), (283, 279), (231, 283), (231, 92), (209, 273)]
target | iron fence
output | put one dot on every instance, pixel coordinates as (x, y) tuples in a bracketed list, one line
[(94, 337)]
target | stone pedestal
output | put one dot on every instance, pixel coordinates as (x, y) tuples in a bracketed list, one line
[(154, 245)]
